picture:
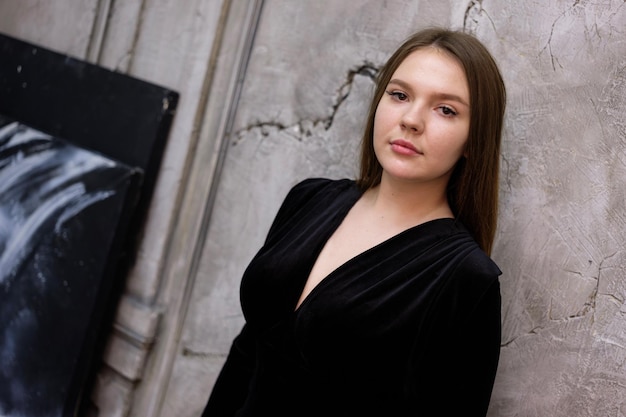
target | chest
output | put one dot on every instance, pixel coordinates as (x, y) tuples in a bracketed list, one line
[(356, 235)]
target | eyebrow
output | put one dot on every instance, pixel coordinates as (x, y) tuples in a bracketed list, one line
[(445, 96)]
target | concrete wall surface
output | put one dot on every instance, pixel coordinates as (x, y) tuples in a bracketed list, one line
[(276, 91)]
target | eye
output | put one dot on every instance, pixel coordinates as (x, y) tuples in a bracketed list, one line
[(447, 111), (398, 95)]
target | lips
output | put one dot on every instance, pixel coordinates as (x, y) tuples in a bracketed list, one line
[(404, 147)]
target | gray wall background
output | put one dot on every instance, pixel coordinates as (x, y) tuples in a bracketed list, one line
[(247, 130)]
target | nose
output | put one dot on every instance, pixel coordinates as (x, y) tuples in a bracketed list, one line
[(413, 120)]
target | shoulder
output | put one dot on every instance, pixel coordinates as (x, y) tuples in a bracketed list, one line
[(479, 265), (476, 282), (471, 286), (312, 186), (316, 189), (472, 260), (475, 274), (310, 194)]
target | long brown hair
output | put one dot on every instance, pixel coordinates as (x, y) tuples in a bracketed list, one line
[(473, 187)]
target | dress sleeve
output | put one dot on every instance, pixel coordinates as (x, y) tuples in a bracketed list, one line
[(478, 354), (455, 373), (231, 386)]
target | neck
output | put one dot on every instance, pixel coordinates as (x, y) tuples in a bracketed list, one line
[(403, 201)]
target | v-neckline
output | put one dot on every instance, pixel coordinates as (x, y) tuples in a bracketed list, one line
[(338, 222)]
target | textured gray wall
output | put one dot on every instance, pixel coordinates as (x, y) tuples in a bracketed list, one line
[(561, 240)]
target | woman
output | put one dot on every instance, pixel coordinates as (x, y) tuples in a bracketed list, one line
[(377, 297)]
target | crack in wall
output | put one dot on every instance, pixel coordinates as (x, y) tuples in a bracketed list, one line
[(601, 267), (553, 59), (307, 128), (473, 13), (589, 307), (534, 331), (367, 70)]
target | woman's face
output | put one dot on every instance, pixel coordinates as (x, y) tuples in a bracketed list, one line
[(422, 120)]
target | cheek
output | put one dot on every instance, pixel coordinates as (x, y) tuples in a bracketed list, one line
[(458, 150), (383, 119), (378, 126), (453, 143)]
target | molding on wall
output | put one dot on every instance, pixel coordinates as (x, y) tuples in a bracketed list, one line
[(227, 68), (98, 30)]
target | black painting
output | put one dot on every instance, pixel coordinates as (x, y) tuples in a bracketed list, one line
[(60, 207), (80, 148)]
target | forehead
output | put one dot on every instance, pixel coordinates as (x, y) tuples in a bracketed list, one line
[(433, 67)]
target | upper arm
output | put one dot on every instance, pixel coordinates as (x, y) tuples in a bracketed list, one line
[(460, 348)]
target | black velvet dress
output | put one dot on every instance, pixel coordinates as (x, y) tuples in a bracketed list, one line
[(410, 327)]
